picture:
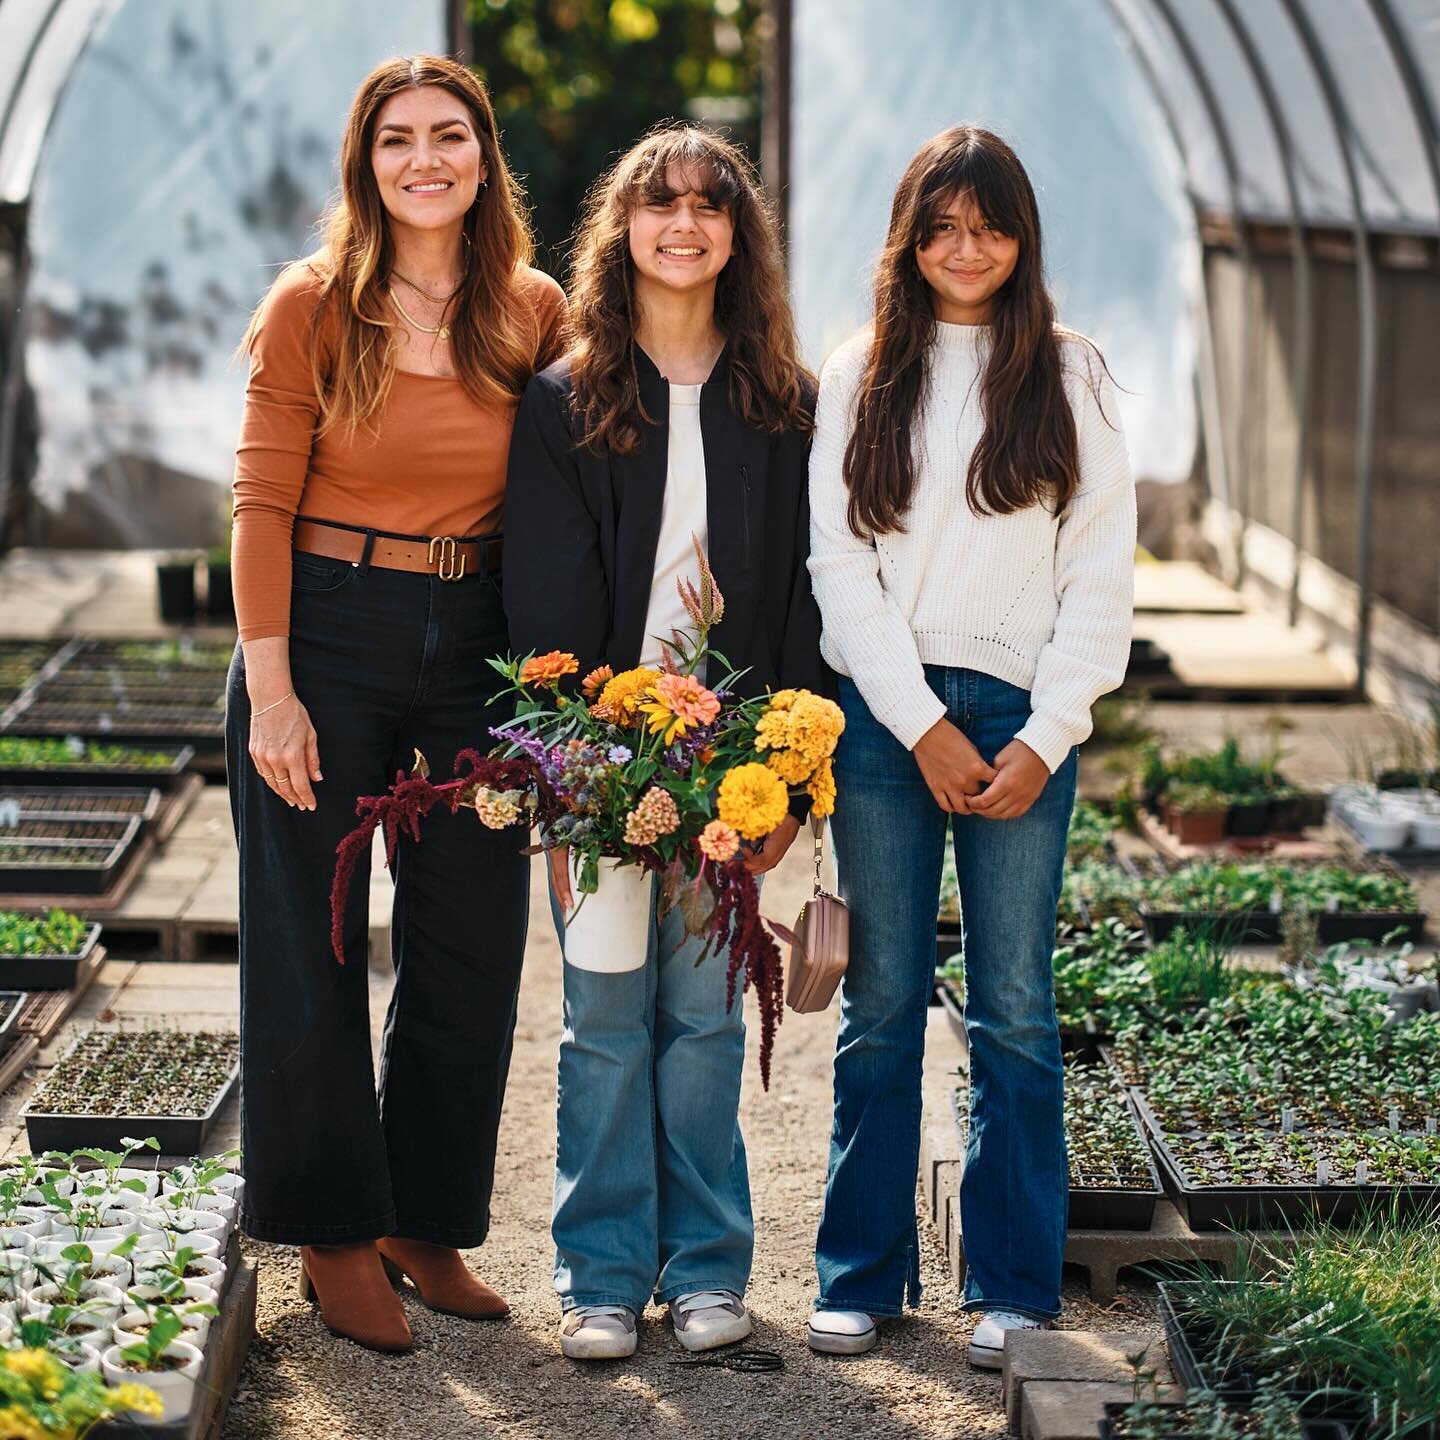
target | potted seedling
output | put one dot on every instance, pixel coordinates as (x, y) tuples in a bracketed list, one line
[(1249, 813), (1196, 814), (160, 1359), (95, 1221), (174, 1271)]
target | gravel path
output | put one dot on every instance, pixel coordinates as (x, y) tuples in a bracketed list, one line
[(510, 1379)]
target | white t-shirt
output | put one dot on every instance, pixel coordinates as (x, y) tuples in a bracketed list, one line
[(682, 514)]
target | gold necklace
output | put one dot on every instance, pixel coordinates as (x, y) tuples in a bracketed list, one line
[(421, 290), (441, 331)]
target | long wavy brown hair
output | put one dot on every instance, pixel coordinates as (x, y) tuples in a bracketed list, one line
[(1029, 451), (353, 348), (768, 382)]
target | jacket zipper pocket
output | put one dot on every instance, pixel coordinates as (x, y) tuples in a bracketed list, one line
[(745, 510)]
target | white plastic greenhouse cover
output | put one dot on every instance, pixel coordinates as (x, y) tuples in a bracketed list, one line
[(152, 239)]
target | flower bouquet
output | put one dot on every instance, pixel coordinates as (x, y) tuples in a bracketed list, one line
[(650, 768)]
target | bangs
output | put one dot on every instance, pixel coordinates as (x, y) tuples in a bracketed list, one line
[(705, 168), (979, 177)]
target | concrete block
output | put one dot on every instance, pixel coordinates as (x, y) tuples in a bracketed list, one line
[(1067, 1409), (1032, 1356)]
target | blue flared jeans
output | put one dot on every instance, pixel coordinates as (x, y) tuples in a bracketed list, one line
[(889, 844), (652, 1193)]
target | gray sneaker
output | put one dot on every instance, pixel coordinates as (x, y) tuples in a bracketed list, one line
[(598, 1332), (708, 1319)]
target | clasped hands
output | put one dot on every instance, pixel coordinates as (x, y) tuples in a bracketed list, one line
[(963, 784)]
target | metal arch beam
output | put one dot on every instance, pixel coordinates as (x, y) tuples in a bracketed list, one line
[(1213, 111), (1210, 419), (1303, 326), (1369, 325), (1417, 93)]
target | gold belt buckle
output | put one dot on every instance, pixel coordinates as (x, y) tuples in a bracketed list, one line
[(449, 550)]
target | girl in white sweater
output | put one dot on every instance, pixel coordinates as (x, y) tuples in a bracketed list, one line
[(972, 546)]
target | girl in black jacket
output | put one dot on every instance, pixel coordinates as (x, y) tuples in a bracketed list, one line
[(681, 410)]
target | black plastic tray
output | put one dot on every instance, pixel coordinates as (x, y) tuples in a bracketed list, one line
[(1119, 1209), (159, 724), (1309, 1429), (92, 777), (1275, 1207), (46, 972), (177, 1134), (93, 877), (1337, 925), (1262, 927), (1349, 1410)]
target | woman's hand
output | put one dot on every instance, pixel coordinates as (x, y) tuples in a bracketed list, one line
[(772, 849), (1020, 776), (559, 862), (952, 767), (285, 752)]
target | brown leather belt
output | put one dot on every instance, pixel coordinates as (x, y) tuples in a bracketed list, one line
[(442, 556)]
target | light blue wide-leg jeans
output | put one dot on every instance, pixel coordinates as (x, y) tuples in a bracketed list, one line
[(889, 846), (652, 1194)]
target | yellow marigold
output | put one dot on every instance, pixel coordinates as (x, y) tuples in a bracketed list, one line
[(815, 726), (624, 692), (38, 1367), (718, 842), (783, 699), (773, 731), (753, 800), (17, 1424), (678, 702), (821, 790), (790, 765), (548, 669), (591, 685), (138, 1398)]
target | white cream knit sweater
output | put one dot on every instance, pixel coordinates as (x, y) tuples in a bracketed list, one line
[(1041, 601)]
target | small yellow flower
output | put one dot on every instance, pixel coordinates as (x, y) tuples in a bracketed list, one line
[(138, 1398), (815, 726), (16, 1424), (752, 799), (36, 1366), (821, 790)]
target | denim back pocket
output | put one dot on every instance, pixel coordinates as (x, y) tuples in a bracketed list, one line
[(317, 575)]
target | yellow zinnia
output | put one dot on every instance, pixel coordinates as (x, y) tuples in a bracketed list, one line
[(815, 726), (790, 765), (753, 800), (624, 692)]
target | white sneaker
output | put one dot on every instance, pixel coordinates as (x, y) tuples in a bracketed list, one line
[(987, 1344), (841, 1332), (598, 1332), (707, 1319)]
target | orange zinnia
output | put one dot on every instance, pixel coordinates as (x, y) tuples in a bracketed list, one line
[(679, 702), (594, 682), (548, 669)]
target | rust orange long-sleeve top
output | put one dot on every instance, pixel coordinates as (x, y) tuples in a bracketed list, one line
[(434, 464)]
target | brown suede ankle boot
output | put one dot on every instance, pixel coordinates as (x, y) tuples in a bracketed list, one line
[(355, 1297), (443, 1279)]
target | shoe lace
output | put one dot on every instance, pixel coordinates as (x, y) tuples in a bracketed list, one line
[(704, 1300)]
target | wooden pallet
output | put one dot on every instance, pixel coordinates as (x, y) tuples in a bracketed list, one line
[(47, 1010), (1269, 847), (19, 1055), (231, 1332), (175, 804)]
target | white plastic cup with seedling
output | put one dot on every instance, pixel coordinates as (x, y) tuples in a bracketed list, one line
[(161, 1360)]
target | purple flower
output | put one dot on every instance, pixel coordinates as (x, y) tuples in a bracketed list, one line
[(531, 745)]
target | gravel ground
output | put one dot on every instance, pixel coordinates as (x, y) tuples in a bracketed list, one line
[(511, 1380)]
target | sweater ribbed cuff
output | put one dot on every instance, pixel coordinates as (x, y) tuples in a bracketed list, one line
[(910, 722), (1049, 739)]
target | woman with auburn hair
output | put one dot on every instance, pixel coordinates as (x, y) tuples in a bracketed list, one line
[(385, 372), (973, 536), (680, 417)]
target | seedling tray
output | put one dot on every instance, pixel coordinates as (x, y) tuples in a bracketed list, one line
[(131, 722), (65, 867), (46, 972), (1261, 927), (40, 825), (1280, 1207), (1119, 1207), (74, 804), (1337, 925), (177, 1134), (12, 1002), (1351, 1411), (92, 775)]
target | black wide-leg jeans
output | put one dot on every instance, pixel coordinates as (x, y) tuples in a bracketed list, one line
[(387, 662)]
